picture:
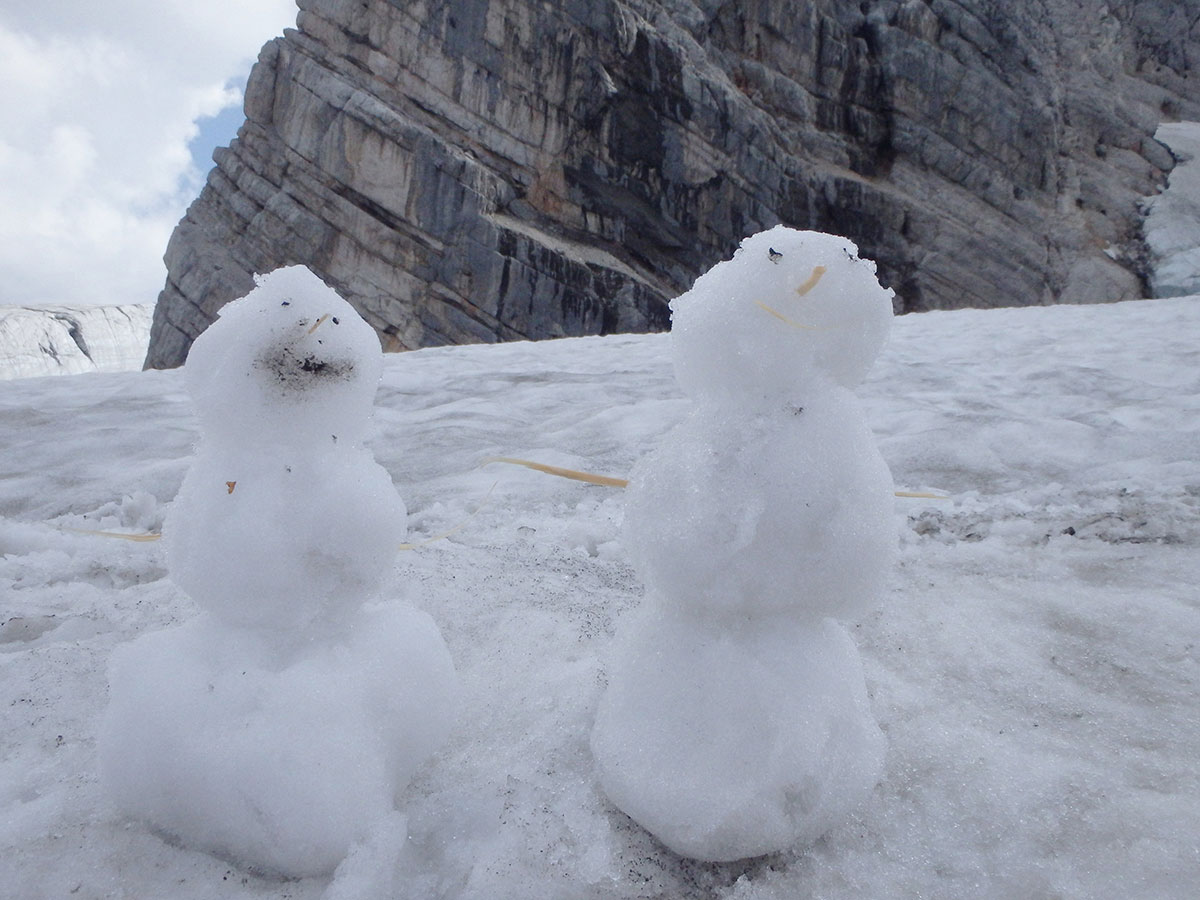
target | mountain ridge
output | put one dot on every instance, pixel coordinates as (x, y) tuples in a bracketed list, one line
[(498, 169)]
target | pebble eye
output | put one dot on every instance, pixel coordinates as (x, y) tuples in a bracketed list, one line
[(335, 321)]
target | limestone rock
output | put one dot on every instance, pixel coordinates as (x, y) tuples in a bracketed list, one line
[(484, 170)]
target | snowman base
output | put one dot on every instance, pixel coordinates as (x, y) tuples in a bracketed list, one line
[(279, 764), (735, 738)]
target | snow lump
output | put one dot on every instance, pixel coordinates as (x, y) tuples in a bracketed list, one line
[(736, 721), (279, 727)]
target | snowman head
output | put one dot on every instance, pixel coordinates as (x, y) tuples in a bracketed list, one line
[(289, 363), (791, 310)]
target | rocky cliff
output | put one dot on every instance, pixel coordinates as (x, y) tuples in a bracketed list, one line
[(479, 170)]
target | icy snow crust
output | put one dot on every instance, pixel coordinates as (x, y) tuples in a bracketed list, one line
[(1034, 665), (59, 340), (1172, 224)]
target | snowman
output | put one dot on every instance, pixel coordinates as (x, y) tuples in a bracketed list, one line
[(736, 721), (280, 725)]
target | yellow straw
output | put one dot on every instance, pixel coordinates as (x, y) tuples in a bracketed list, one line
[(781, 317), (817, 272), (610, 481), (573, 474), (140, 538)]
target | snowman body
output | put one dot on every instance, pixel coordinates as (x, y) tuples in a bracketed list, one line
[(740, 512), (736, 720), (284, 520), (261, 553), (277, 727)]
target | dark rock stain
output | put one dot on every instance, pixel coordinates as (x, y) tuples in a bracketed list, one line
[(295, 371)]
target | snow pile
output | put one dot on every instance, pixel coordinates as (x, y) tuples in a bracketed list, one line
[(62, 341), (1172, 224), (277, 728), (736, 720)]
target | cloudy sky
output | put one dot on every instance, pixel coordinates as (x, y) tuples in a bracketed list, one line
[(108, 116)]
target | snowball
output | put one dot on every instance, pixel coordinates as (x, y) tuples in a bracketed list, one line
[(301, 537), (736, 741), (279, 766), (753, 514), (284, 520), (291, 362), (791, 307)]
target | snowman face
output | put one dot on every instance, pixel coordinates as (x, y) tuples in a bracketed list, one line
[(291, 362), (790, 311), (300, 361)]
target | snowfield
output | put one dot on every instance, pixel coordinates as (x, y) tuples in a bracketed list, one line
[(1172, 223), (1035, 666), (59, 340)]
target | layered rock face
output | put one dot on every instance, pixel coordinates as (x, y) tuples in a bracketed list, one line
[(480, 170)]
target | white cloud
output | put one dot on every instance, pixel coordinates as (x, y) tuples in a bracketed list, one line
[(97, 105)]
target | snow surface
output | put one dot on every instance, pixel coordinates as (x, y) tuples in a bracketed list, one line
[(64, 341), (1034, 668)]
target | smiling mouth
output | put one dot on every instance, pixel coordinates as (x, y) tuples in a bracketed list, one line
[(782, 318)]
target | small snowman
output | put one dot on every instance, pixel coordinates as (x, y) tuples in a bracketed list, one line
[(736, 720), (279, 726)]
